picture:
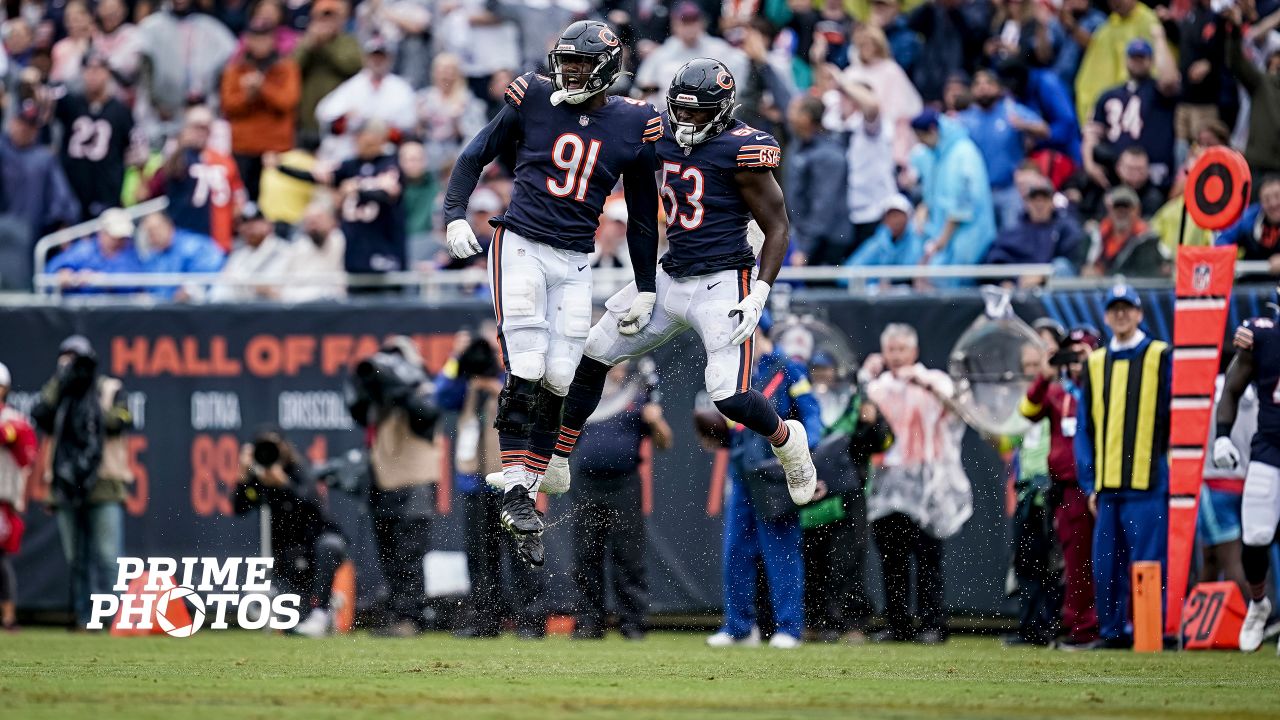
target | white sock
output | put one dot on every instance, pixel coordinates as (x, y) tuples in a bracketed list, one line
[(515, 475)]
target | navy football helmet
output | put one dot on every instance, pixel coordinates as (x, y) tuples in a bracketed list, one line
[(595, 42), (702, 84)]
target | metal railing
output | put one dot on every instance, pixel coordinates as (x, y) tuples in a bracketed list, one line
[(66, 236)]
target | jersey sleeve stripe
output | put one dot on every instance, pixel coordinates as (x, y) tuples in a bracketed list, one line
[(524, 84), (514, 98), (515, 89)]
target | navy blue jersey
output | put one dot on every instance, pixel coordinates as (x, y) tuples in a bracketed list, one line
[(1266, 378), (1137, 113), (706, 214), (372, 217), (95, 141)]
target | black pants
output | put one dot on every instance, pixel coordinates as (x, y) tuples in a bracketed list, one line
[(1036, 567), (834, 561), (495, 594), (610, 522), (309, 571), (250, 169), (900, 541), (402, 532)]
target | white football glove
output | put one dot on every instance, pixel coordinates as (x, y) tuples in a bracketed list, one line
[(461, 240), (1225, 454), (639, 314), (749, 311)]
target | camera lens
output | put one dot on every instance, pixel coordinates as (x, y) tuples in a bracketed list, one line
[(266, 453)]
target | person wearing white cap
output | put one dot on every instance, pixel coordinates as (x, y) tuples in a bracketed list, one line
[(110, 251), (611, 237), (895, 242), (17, 451)]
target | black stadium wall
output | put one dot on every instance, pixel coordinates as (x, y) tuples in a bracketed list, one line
[(201, 379)]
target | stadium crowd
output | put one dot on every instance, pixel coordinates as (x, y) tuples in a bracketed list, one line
[(940, 132)]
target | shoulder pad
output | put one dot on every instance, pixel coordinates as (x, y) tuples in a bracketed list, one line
[(519, 87), (756, 148)]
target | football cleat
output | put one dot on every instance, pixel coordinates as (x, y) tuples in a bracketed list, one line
[(518, 513), (783, 641), (556, 480), (802, 476), (531, 548), (724, 639), (1255, 625)]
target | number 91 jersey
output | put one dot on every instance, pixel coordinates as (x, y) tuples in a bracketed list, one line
[(706, 214), (568, 161)]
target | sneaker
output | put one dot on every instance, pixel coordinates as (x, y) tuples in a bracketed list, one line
[(783, 641), (1079, 646), (724, 639), (518, 513), (1255, 624), (555, 481), (802, 476), (531, 548), (315, 626)]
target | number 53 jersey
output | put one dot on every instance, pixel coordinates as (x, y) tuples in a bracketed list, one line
[(568, 161), (706, 214)]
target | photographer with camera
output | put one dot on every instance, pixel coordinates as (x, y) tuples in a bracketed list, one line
[(390, 395), (607, 513), (85, 417), (308, 547), (469, 385), (1056, 395)]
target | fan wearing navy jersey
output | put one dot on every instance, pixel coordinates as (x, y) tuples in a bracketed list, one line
[(717, 173), (97, 134), (1257, 362), (371, 211), (571, 143), (1139, 112)]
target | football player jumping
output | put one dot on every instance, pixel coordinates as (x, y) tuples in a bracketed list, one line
[(717, 173), (571, 143), (1258, 362)]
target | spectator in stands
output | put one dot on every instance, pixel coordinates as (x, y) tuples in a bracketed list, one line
[(611, 237), (955, 192), (118, 39), (1122, 227), (97, 138), (166, 249), (270, 14), (403, 24), (371, 201), (1079, 20), (952, 42), (853, 108), (956, 97), (1001, 128), (1043, 234), (607, 504), (904, 43), (898, 99), (1208, 92), (318, 248), (921, 494), (815, 185), (202, 184), (1138, 112), (373, 94), (472, 24), (259, 255), (184, 51), (420, 189), (260, 93), (69, 52), (18, 45), (1133, 170), (17, 453), (34, 192), (1257, 233), (282, 198), (1040, 89), (895, 241), (689, 40), (327, 56), (1104, 64), (1263, 148), (765, 91), (110, 251), (85, 415), (448, 114)]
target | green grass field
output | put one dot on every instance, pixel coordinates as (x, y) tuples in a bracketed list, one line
[(54, 674)]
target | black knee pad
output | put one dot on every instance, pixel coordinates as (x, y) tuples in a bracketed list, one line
[(517, 404)]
